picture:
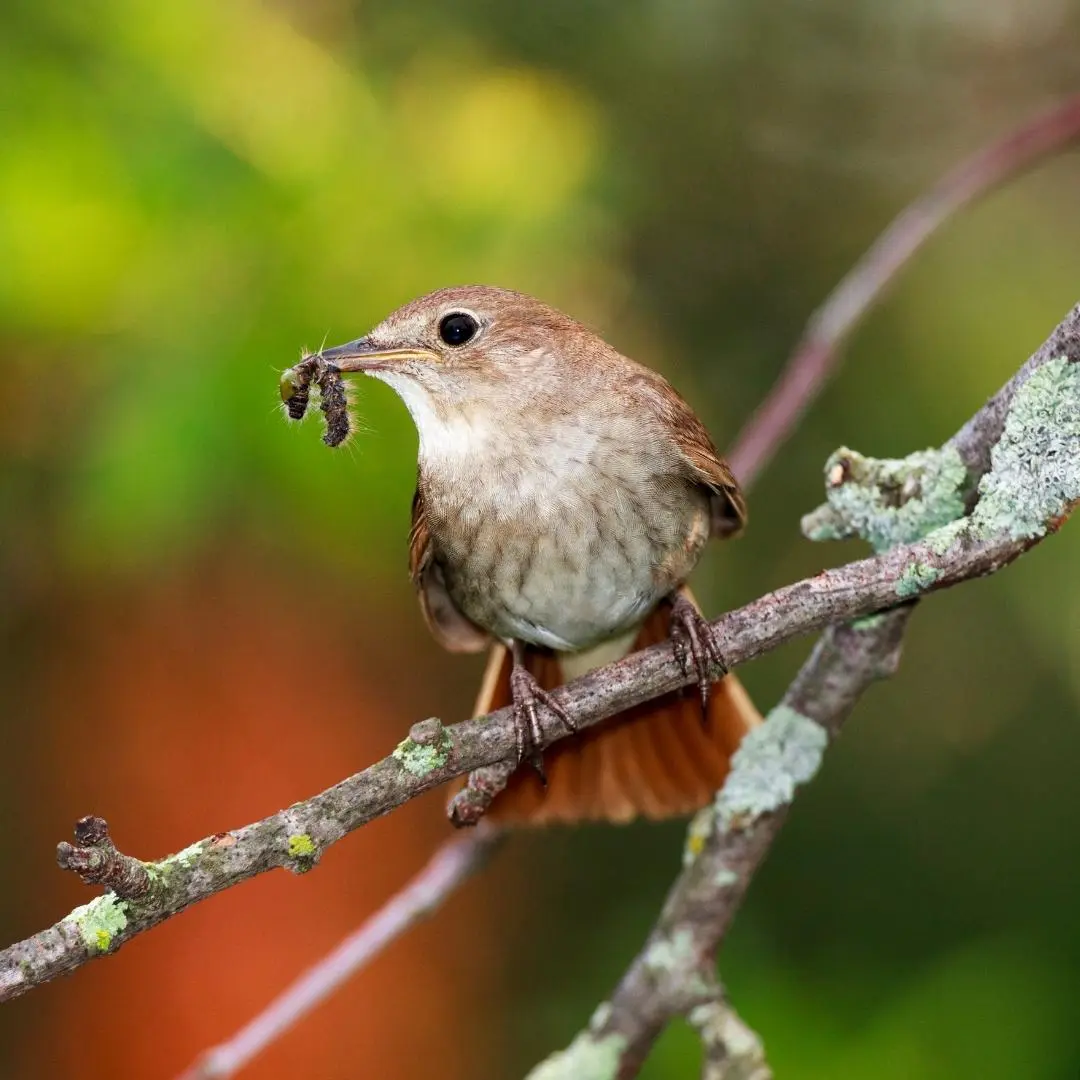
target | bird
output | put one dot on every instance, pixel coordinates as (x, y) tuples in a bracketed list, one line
[(564, 495)]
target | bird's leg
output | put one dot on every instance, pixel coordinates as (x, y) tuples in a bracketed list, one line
[(695, 647), (527, 694)]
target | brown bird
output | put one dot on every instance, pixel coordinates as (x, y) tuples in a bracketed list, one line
[(564, 495)]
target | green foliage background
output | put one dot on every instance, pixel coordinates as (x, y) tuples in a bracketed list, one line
[(191, 190)]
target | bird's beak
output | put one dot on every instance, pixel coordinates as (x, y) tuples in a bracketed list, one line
[(362, 355)]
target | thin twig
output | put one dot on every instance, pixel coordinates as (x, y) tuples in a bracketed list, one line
[(295, 838), (451, 865), (817, 353)]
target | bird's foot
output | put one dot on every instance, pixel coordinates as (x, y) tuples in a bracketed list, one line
[(528, 696), (695, 647)]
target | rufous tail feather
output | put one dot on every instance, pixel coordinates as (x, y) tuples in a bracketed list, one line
[(656, 760)]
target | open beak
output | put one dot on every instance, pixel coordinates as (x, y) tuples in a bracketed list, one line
[(362, 355)]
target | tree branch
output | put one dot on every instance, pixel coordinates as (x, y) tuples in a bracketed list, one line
[(1015, 467), (673, 974), (1028, 501)]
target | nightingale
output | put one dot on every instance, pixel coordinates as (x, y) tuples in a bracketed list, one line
[(564, 495)]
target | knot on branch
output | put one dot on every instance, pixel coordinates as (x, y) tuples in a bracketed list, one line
[(427, 748), (889, 501), (95, 859), (471, 803)]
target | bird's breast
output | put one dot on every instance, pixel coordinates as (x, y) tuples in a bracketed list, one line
[(562, 542)]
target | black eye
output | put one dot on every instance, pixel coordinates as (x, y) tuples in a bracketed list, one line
[(457, 328)]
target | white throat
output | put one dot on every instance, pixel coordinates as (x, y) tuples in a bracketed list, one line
[(444, 438), (531, 470)]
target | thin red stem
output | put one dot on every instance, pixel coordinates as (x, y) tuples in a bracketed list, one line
[(448, 868)]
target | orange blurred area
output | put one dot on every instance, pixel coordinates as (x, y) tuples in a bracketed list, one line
[(196, 705)]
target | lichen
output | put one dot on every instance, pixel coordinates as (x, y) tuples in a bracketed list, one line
[(301, 846), (586, 1058), (676, 956), (601, 1015), (771, 762), (915, 578), (724, 877), (159, 871), (185, 857), (98, 921), (941, 540), (718, 1026), (701, 825), (888, 501), (423, 758), (1034, 472), (868, 622), (673, 953)]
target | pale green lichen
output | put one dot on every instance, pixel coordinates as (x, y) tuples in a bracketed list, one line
[(701, 826), (423, 758), (1035, 467), (159, 870), (187, 856), (888, 501), (601, 1015), (671, 953), (868, 622), (719, 1027), (915, 578), (676, 957), (98, 921), (301, 846), (771, 762), (586, 1058), (724, 877), (941, 540)]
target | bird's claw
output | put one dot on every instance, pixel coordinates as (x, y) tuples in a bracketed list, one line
[(695, 647), (528, 694)]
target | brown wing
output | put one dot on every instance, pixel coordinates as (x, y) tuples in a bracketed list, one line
[(726, 499), (700, 455), (452, 630)]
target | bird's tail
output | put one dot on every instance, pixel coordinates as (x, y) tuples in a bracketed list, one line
[(656, 760)]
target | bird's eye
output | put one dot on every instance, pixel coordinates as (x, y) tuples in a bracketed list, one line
[(457, 328)]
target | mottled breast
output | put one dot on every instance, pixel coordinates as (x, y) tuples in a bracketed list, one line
[(565, 539)]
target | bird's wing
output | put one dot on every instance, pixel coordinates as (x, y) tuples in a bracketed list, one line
[(726, 500), (452, 630), (701, 458)]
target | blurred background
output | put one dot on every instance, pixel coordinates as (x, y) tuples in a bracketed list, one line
[(205, 613)]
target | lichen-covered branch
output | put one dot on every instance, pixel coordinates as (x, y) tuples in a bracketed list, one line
[(1034, 481), (1015, 467), (673, 975), (730, 1049)]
